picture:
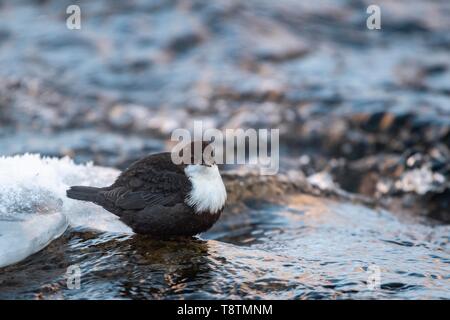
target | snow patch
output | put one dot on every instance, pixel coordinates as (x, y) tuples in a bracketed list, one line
[(421, 180), (322, 180), (34, 208)]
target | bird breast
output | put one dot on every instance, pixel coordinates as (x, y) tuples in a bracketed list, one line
[(208, 192)]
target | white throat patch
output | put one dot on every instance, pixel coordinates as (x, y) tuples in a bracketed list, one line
[(208, 191)]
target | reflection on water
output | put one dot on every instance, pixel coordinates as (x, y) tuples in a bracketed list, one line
[(310, 248)]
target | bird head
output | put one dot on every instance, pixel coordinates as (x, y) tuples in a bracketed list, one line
[(198, 153)]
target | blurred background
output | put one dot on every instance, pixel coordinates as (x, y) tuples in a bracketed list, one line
[(367, 109)]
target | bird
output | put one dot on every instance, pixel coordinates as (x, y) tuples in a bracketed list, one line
[(162, 198)]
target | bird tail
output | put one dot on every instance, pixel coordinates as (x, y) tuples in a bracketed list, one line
[(83, 193)]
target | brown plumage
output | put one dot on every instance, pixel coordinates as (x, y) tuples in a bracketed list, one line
[(150, 197)]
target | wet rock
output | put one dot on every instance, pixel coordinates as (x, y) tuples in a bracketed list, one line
[(244, 185), (410, 178)]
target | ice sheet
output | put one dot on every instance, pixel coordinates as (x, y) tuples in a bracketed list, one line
[(34, 208)]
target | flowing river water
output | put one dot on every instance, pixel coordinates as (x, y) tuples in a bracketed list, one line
[(311, 248)]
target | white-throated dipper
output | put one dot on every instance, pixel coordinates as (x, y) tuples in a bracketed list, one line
[(157, 197)]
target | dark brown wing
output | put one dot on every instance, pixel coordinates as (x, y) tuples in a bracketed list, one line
[(151, 181)]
